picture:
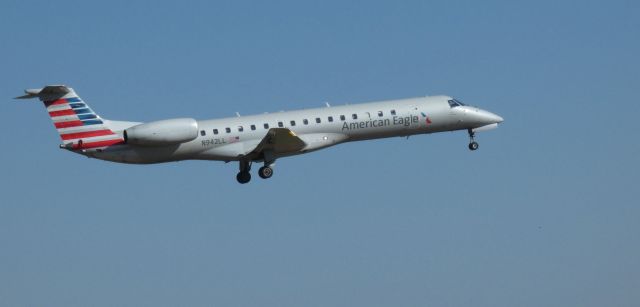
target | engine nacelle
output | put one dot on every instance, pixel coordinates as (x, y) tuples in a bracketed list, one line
[(162, 132)]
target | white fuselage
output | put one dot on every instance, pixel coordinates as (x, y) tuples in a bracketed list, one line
[(234, 138)]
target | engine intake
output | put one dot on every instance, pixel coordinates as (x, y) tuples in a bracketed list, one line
[(162, 132)]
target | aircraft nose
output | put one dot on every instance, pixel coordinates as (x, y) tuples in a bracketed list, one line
[(487, 118), (496, 118)]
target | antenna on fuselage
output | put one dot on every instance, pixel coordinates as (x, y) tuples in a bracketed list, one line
[(238, 114), (327, 103)]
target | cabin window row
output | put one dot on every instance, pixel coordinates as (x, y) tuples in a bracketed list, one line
[(293, 123)]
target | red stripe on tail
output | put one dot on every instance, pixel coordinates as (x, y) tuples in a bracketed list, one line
[(73, 123), (62, 113), (87, 134)]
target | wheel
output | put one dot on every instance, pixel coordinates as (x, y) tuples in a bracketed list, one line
[(243, 177), (473, 145), (265, 172)]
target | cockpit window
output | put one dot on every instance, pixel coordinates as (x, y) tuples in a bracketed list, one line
[(455, 103)]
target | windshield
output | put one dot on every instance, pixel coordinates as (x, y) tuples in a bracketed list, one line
[(455, 103)]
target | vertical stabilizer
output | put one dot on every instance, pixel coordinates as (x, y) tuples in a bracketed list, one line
[(78, 125)]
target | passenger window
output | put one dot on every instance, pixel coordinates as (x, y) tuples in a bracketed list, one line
[(253, 127), (228, 130), (318, 120), (342, 117), (293, 123), (240, 129), (393, 112), (215, 131), (280, 124), (266, 126), (380, 114), (202, 133), (354, 116), (330, 118), (305, 121)]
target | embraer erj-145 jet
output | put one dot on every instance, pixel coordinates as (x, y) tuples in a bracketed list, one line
[(256, 138)]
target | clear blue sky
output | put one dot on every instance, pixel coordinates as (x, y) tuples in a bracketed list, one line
[(544, 214)]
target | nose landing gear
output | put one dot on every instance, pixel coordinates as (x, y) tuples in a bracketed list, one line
[(265, 172), (473, 145)]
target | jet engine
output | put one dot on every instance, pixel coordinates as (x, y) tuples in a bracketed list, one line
[(162, 132)]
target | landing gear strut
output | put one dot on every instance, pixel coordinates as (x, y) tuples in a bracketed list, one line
[(473, 145), (244, 176)]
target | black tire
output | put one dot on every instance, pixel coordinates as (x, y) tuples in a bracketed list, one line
[(473, 146), (265, 172), (243, 177)]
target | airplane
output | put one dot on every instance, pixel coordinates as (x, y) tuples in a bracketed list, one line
[(255, 138)]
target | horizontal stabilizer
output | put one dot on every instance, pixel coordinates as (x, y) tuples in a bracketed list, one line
[(47, 93)]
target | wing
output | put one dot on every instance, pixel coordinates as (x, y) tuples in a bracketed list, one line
[(278, 141)]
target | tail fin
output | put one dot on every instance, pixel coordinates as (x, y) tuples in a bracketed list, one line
[(78, 126)]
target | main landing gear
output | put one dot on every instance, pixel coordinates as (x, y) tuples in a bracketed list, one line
[(244, 176), (265, 172), (473, 145)]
